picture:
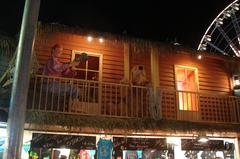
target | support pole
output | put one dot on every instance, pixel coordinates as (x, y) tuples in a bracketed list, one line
[(17, 110)]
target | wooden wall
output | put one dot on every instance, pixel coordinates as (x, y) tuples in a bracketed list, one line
[(212, 77), (141, 57), (212, 74), (112, 65)]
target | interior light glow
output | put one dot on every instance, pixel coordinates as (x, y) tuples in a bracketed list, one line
[(89, 38)]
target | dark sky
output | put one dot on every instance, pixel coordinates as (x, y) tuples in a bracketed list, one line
[(165, 20)]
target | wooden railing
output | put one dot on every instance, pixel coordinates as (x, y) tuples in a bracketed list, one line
[(65, 95)]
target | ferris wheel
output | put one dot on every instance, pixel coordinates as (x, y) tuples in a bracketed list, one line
[(223, 34)]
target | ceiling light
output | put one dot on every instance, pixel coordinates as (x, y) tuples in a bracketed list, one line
[(89, 38), (199, 56), (202, 138), (101, 40)]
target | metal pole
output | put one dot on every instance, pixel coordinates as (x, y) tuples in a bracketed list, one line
[(17, 111)]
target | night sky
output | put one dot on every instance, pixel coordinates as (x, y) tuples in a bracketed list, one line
[(186, 21)]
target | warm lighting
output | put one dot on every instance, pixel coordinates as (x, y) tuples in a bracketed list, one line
[(236, 81), (101, 40), (89, 38), (202, 139), (173, 140), (199, 56)]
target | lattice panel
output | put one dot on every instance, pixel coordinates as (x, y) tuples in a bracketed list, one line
[(215, 108), (169, 105)]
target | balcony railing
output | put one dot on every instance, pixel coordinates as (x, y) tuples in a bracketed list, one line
[(65, 95)]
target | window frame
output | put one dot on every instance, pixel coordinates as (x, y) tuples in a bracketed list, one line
[(181, 91), (74, 52)]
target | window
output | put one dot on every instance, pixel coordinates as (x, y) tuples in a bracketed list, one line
[(187, 87), (90, 69)]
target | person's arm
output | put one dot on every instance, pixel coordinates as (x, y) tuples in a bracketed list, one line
[(58, 66)]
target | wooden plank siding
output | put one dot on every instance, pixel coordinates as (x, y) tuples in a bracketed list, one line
[(141, 58), (212, 77), (112, 64)]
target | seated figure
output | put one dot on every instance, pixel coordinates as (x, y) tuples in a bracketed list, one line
[(138, 76), (55, 68)]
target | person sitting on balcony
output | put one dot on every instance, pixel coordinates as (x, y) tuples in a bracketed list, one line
[(138, 76), (55, 68)]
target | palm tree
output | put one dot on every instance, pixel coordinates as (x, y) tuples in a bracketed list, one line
[(7, 48)]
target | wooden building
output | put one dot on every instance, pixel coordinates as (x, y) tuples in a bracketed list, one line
[(133, 87)]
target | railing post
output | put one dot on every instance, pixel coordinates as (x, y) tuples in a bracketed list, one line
[(155, 77)]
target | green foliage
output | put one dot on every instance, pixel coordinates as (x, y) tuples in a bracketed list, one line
[(128, 124)]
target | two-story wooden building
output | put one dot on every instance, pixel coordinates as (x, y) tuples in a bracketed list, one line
[(150, 99)]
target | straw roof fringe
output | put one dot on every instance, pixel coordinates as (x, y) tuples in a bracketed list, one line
[(139, 45), (7, 45)]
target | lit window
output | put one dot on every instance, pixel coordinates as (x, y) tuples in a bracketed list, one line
[(186, 85)]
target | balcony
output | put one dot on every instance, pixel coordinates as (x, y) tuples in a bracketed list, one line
[(92, 98)]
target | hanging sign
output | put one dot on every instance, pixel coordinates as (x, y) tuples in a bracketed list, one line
[(66, 141), (122, 143), (193, 144)]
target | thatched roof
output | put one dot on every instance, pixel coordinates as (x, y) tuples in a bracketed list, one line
[(139, 44), (125, 124), (7, 44)]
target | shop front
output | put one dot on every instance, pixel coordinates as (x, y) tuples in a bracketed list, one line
[(59, 146), (211, 148), (141, 148), (109, 146)]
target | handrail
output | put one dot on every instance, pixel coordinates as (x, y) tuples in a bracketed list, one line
[(87, 97)]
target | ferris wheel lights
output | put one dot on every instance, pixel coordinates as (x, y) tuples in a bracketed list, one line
[(235, 6), (203, 47), (219, 21), (208, 38), (227, 14)]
